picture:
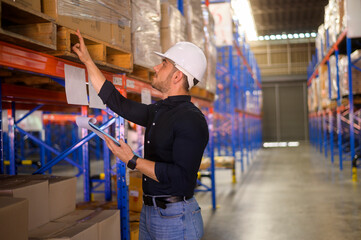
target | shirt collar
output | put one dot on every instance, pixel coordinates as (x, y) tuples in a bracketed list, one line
[(173, 101), (179, 98)]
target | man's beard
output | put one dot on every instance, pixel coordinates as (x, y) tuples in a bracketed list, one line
[(163, 86)]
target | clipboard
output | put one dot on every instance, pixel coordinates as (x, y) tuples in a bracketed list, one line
[(104, 133)]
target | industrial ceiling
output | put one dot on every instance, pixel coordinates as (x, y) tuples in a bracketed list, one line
[(287, 16)]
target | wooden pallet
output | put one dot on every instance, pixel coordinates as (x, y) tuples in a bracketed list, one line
[(202, 93), (105, 55), (26, 27), (142, 73)]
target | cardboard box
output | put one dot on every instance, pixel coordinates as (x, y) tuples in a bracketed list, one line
[(35, 191), (98, 29), (65, 231), (121, 33), (107, 222), (123, 7), (135, 191), (47, 230), (62, 193), (134, 231), (14, 218), (33, 4)]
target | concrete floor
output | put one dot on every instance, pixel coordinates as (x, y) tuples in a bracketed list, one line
[(287, 193)]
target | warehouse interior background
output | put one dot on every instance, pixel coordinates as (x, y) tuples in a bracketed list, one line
[(281, 95)]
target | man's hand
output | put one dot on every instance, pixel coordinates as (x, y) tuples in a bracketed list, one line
[(81, 50), (124, 152)]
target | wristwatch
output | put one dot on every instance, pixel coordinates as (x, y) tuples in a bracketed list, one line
[(132, 163)]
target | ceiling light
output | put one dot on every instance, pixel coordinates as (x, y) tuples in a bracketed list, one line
[(266, 37), (273, 37), (244, 15), (307, 35), (302, 35), (278, 36), (290, 36), (313, 34), (284, 36), (261, 38), (295, 35)]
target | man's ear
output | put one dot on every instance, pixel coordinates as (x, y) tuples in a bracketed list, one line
[(177, 76)]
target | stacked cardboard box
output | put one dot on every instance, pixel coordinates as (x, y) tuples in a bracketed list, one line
[(135, 191), (14, 218), (37, 194), (32, 4), (107, 21), (49, 210), (173, 26)]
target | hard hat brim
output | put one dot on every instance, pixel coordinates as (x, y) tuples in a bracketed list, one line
[(160, 54)]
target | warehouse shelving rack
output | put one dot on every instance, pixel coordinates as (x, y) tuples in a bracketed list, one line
[(21, 59), (323, 127), (237, 129)]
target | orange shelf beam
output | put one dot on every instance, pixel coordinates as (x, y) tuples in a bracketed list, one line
[(330, 52)]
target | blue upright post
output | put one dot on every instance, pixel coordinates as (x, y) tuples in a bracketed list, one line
[(320, 129), (42, 149), (48, 142), (350, 98), (180, 6), (2, 169), (339, 133), (232, 110), (12, 149), (122, 188), (107, 166), (86, 162), (331, 134), (324, 128), (211, 143)]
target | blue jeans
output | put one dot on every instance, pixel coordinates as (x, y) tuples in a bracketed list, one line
[(180, 220)]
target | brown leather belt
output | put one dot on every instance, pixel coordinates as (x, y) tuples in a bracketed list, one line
[(162, 201)]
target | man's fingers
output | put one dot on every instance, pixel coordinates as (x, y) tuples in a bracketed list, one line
[(76, 49), (81, 40)]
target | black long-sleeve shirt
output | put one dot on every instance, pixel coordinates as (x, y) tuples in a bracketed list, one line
[(175, 138)]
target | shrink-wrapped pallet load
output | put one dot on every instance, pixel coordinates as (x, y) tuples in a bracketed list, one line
[(145, 32), (324, 86), (320, 43), (173, 26), (107, 21), (195, 24), (210, 50), (356, 74)]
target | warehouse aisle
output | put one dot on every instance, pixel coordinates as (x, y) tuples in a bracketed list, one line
[(288, 193)]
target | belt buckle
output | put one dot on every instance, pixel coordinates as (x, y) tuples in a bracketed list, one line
[(160, 204)]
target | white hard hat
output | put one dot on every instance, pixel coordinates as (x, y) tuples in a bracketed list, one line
[(189, 59)]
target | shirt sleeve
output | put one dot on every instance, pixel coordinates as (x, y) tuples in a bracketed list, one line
[(191, 138), (128, 109)]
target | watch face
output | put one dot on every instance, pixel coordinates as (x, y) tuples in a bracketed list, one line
[(131, 164)]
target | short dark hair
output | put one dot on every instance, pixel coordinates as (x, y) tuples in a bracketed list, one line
[(186, 84)]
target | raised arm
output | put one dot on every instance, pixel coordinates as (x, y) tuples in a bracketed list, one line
[(96, 77)]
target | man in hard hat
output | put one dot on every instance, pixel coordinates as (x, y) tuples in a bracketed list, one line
[(175, 138)]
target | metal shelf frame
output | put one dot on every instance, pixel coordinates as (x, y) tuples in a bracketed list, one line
[(336, 131)]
